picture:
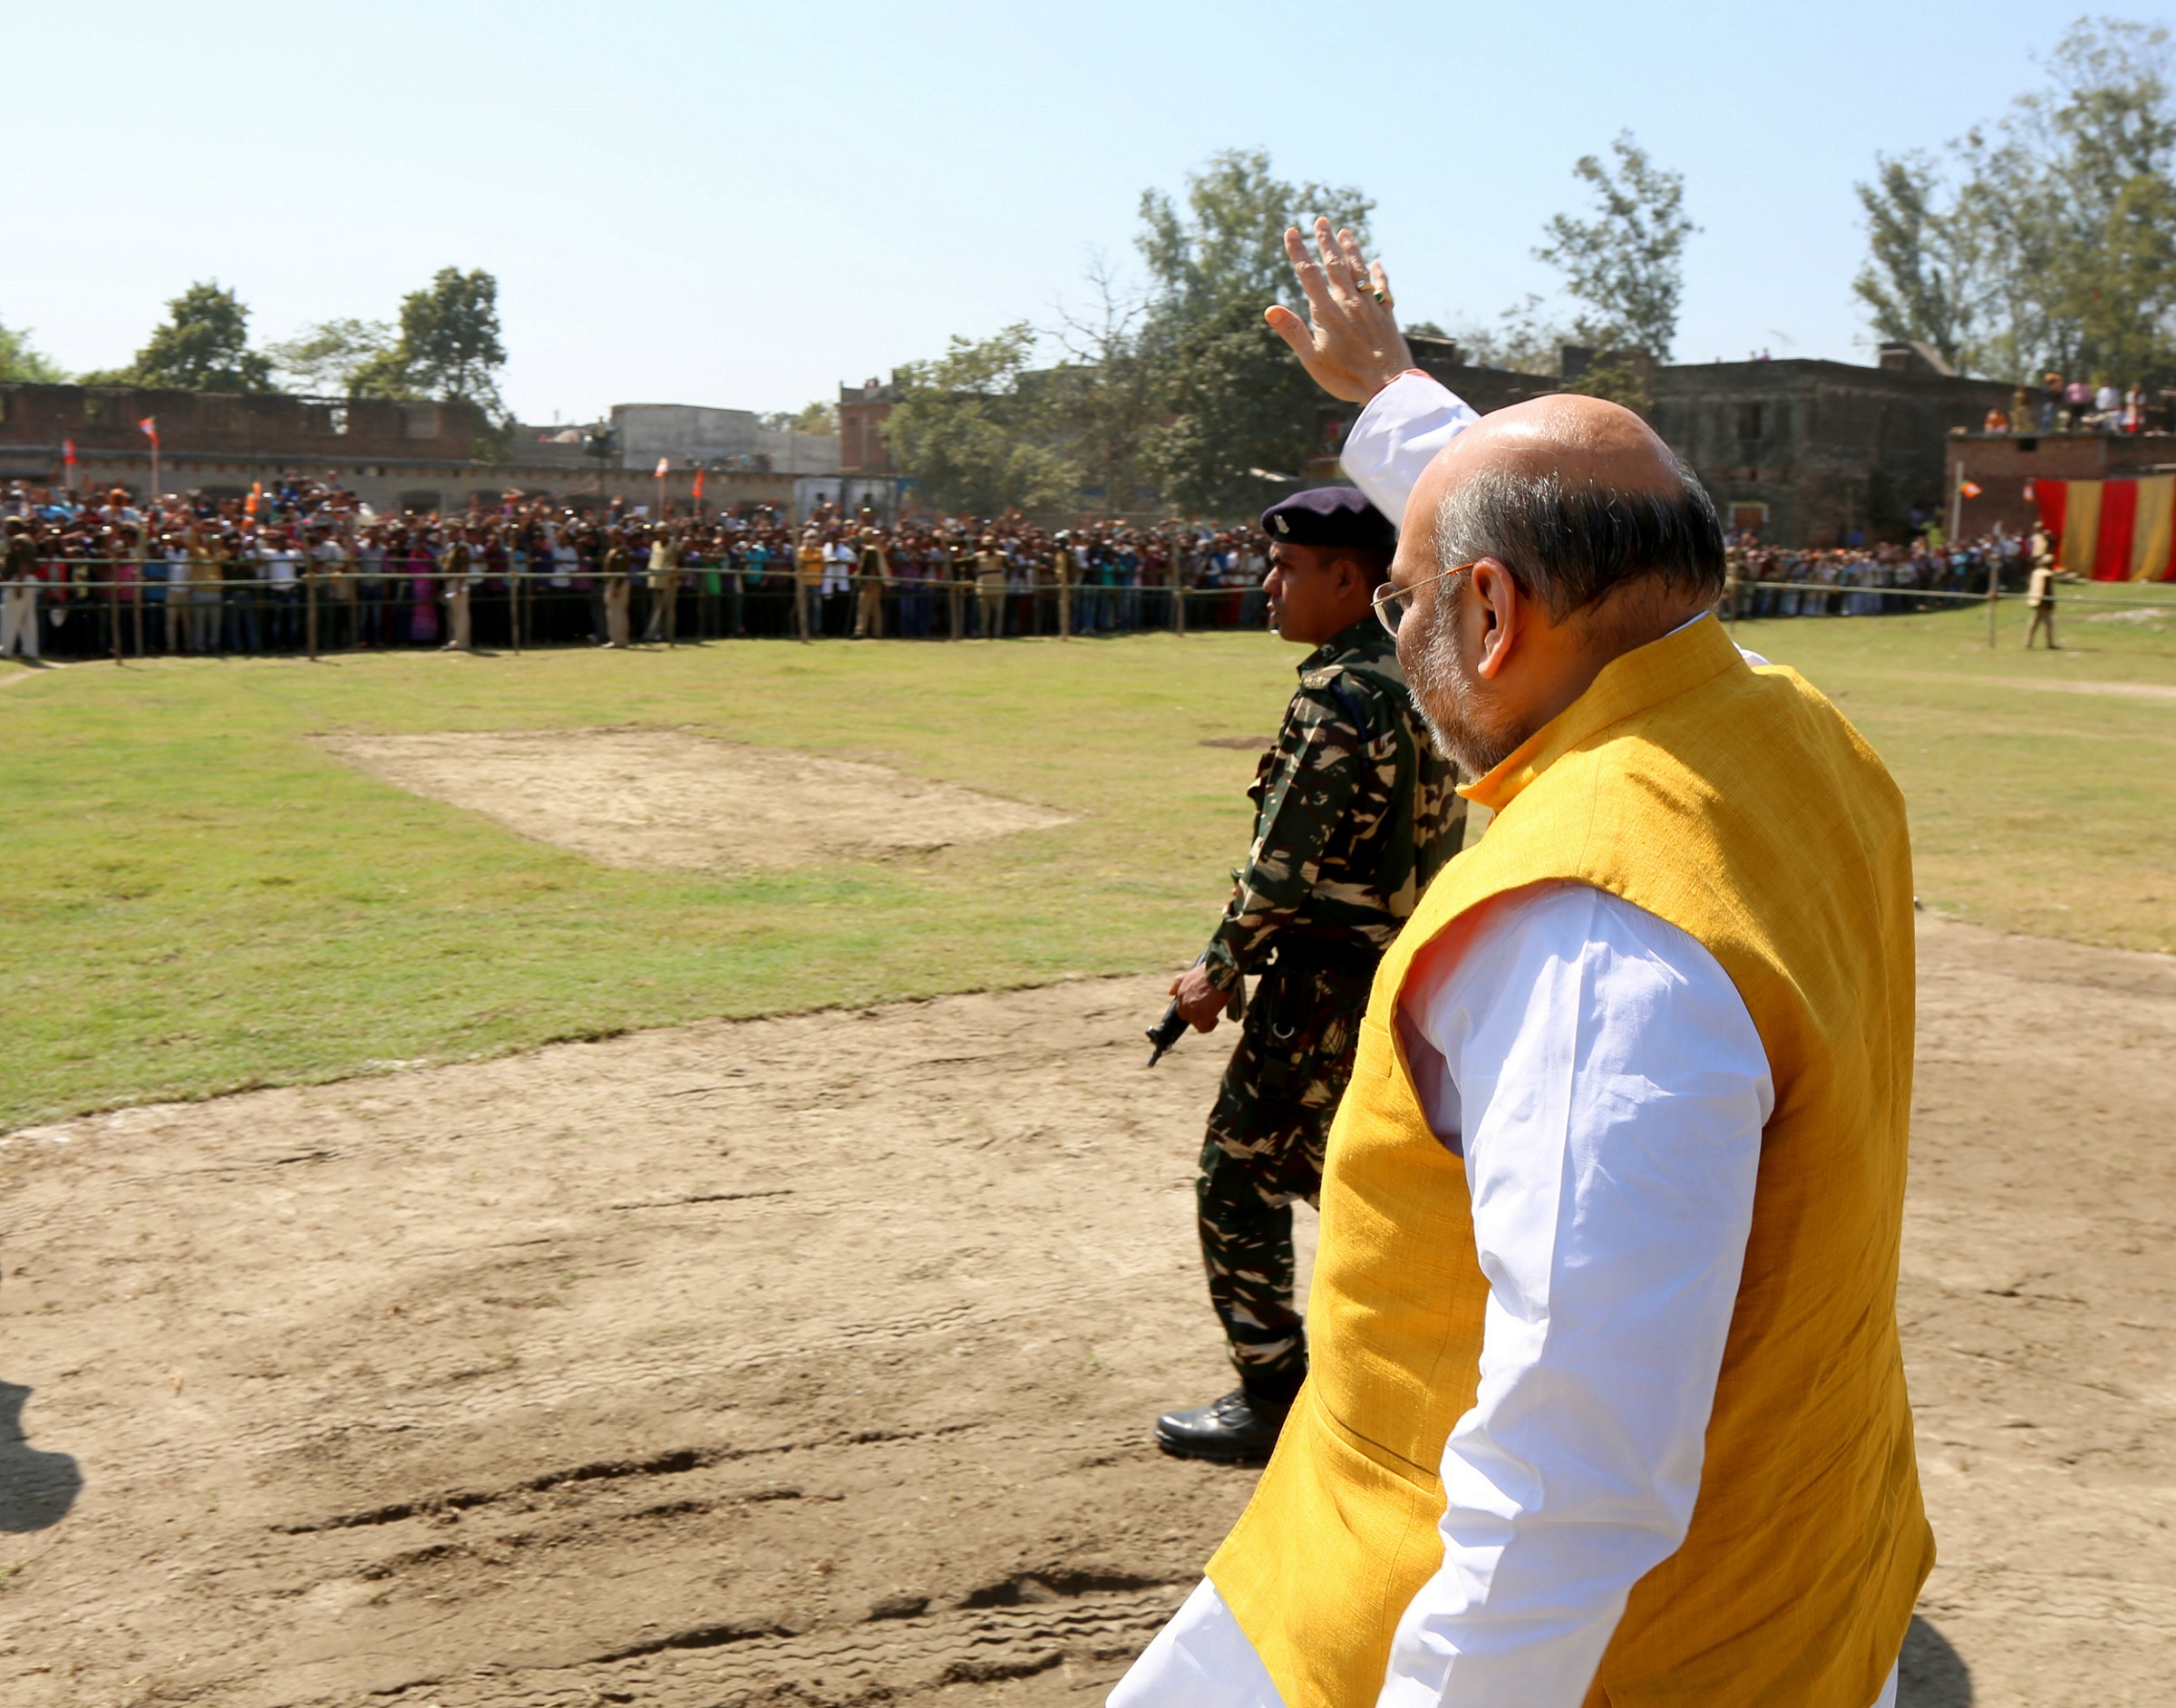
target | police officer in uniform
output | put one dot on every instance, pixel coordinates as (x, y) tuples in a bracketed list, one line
[(1353, 813)]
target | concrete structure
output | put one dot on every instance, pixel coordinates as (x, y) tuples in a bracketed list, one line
[(690, 434)]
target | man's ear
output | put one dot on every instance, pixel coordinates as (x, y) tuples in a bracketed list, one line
[(1501, 610)]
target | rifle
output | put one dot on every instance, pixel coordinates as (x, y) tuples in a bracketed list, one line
[(1172, 1027)]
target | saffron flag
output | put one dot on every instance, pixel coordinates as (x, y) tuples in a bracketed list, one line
[(1971, 488), (257, 497), (68, 451), (664, 464), (148, 428), (698, 486)]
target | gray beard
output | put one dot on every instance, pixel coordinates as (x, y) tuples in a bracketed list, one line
[(1452, 704)]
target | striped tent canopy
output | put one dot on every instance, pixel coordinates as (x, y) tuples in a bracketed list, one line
[(2113, 530)]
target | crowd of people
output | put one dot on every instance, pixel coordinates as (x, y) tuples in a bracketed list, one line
[(1869, 581), (305, 566), (2076, 405)]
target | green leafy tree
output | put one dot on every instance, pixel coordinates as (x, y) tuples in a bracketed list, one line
[(447, 345), (2050, 240), (1922, 281), (19, 360), (1626, 263), (1232, 396), (450, 338), (973, 434), (331, 356), (203, 346)]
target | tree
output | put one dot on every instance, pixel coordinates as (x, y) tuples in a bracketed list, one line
[(1922, 280), (1232, 396), (1524, 339), (331, 356), (19, 360), (449, 343), (203, 346), (1102, 395), (1628, 262), (2049, 243), (971, 435), (819, 417)]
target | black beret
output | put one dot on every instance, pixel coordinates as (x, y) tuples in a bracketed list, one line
[(1329, 516)]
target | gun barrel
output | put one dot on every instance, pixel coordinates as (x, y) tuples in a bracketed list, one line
[(1166, 1031)]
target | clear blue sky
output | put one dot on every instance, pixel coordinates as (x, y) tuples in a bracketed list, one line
[(743, 205)]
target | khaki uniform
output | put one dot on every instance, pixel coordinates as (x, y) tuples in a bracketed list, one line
[(455, 563), (871, 572), (617, 593), (989, 592), (665, 590)]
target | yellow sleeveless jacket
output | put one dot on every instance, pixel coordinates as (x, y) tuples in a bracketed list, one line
[(1741, 807)]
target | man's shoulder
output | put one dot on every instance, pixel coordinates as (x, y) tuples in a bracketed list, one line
[(1362, 680)]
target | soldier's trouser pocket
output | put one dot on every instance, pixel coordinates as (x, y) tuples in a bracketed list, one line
[(1309, 1024)]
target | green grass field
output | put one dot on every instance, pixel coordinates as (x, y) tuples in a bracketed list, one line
[(199, 898)]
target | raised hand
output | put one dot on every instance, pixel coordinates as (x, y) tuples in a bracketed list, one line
[(1354, 348)]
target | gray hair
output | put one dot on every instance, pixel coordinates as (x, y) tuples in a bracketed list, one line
[(1572, 545)]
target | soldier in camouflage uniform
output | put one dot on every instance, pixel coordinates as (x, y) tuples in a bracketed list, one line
[(1353, 813)]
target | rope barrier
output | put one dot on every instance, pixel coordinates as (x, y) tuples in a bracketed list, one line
[(2168, 604)]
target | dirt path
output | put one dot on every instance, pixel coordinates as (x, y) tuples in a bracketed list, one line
[(675, 797), (809, 1360)]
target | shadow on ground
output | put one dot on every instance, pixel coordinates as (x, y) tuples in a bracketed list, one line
[(1930, 1673), (36, 1489)]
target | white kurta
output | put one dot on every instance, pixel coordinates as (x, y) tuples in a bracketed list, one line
[(1606, 1086)]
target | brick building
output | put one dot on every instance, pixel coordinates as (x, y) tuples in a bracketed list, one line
[(1809, 452), (101, 421), (395, 456), (2005, 465), (862, 412), (1804, 453)]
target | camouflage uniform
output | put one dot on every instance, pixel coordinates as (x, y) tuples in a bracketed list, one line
[(1353, 813)]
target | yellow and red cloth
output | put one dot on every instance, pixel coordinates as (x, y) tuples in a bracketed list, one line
[(2112, 531)]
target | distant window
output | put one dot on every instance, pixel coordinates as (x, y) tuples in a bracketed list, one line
[(94, 408), (420, 421), (1749, 421), (336, 418), (1748, 518)]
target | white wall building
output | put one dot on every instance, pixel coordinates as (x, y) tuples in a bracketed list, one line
[(691, 436)]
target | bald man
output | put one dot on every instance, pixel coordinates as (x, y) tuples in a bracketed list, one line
[(1606, 1402)]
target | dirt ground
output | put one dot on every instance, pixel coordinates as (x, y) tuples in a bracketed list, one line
[(660, 796), (811, 1360)]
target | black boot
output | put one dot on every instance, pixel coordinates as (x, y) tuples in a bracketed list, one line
[(1238, 1429)]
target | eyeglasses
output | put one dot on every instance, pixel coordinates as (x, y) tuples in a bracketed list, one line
[(1391, 602)]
